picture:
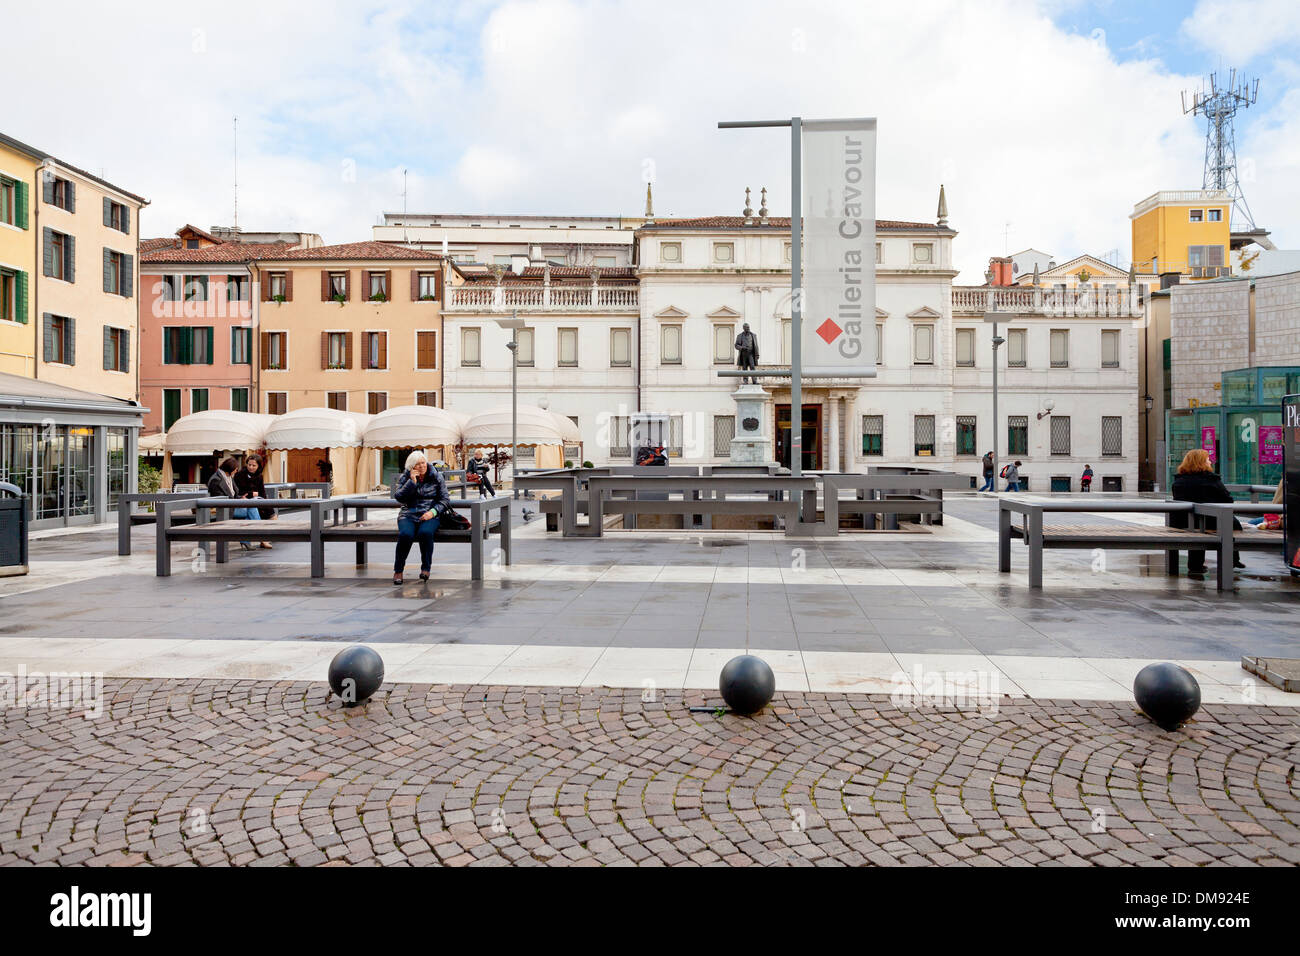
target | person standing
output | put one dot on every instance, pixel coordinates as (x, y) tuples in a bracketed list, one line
[(1085, 480), (1196, 481), (988, 472), (1012, 474), (422, 492)]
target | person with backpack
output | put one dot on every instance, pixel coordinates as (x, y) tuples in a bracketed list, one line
[(988, 472), (1085, 481), (1012, 474)]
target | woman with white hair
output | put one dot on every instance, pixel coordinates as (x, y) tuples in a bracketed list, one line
[(423, 494)]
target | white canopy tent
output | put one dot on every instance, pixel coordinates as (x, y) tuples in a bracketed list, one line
[(407, 426), (220, 430), (537, 428), (340, 434)]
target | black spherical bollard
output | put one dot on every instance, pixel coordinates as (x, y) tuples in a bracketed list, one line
[(747, 684), (355, 673), (1167, 693)]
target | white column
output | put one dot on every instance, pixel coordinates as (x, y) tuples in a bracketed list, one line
[(834, 463), (852, 432)]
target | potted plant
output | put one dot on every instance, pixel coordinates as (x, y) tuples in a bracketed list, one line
[(379, 297), (278, 297), (339, 298), (426, 298)]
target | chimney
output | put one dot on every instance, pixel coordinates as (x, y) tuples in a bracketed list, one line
[(1000, 266), (1169, 278)]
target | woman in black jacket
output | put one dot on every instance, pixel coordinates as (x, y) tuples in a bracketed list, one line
[(423, 494), (1197, 482), (250, 483)]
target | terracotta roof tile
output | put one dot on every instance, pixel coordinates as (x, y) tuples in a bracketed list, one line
[(172, 252), (359, 250)]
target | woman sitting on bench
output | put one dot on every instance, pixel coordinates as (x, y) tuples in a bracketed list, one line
[(1196, 481), (423, 494)]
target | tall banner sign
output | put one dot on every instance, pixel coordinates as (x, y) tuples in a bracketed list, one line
[(839, 257), (1291, 481)]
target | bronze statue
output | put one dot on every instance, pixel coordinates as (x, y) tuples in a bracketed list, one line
[(747, 353)]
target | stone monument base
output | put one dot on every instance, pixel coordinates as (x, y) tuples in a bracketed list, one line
[(750, 446)]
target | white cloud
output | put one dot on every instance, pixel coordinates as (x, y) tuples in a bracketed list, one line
[(552, 106), (1239, 30)]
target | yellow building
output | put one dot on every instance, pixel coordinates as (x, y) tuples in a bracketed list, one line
[(18, 165), (1184, 231)]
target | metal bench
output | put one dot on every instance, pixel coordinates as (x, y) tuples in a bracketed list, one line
[(1231, 541), (315, 531)]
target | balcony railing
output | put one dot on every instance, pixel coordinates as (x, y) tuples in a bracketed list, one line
[(601, 297), (1092, 301)]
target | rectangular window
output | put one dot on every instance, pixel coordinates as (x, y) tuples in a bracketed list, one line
[(966, 442), (337, 286), (171, 407), (60, 340), (1195, 215), (201, 345), (196, 288), (526, 354), (1017, 434), (469, 348), (13, 295), (275, 351), (117, 273), (376, 402), (60, 192), (236, 288), (722, 339), (378, 287), (239, 399), (923, 345), (1214, 215), (337, 400), (675, 433), (923, 435), (1060, 434), (117, 216), (1016, 349), (880, 344), (620, 348), (426, 350), (428, 286), (620, 436), (1205, 261), (873, 435), (724, 429), (336, 349), (376, 350), (670, 345), (279, 286), (1060, 348), (787, 341), (606, 262), (1112, 434), (241, 346), (966, 348), (568, 347), (115, 349), (670, 252), (427, 398), (8, 201), (277, 403), (198, 400), (176, 345), (58, 255), (1110, 348)]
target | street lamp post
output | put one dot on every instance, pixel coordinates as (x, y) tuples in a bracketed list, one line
[(514, 324)]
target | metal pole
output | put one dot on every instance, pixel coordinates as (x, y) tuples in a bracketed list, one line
[(514, 405), (995, 407), (796, 299)]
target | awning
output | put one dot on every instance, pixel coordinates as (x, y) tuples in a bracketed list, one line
[(413, 426), (536, 426), (202, 433), (153, 444), (570, 432), (317, 428)]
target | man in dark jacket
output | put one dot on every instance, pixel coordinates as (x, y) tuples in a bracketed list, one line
[(988, 472), (423, 494), (1197, 482)]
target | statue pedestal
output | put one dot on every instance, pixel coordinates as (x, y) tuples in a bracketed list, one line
[(750, 446)]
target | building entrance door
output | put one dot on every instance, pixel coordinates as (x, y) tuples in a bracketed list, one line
[(812, 436)]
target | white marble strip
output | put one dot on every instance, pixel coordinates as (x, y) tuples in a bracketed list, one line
[(915, 677)]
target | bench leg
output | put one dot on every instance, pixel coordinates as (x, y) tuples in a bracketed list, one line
[(475, 553), (1227, 556), (317, 542), (1036, 550), (222, 550), (162, 550), (1004, 540), (124, 527), (361, 554), (505, 532)]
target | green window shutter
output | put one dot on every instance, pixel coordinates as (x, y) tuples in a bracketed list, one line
[(20, 191), (70, 191), (70, 351), (169, 357), (47, 335), (47, 251), (108, 211), (108, 271), (211, 352), (128, 276), (20, 297), (187, 345), (70, 258), (108, 348), (124, 360), (47, 187)]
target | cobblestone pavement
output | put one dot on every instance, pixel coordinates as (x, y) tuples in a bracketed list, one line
[(266, 773)]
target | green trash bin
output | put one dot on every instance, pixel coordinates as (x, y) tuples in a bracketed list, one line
[(13, 530)]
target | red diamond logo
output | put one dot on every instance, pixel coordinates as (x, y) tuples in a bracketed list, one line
[(829, 331)]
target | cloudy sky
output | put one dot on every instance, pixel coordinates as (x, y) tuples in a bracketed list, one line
[(1046, 120)]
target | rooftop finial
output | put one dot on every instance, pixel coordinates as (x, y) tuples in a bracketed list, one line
[(942, 217), (749, 212), (762, 205), (1037, 281), (649, 204)]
